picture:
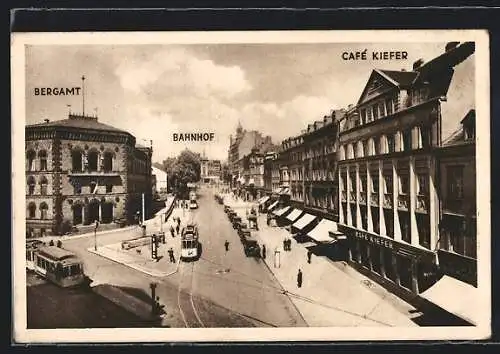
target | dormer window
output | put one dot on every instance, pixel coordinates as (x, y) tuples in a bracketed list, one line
[(469, 132)]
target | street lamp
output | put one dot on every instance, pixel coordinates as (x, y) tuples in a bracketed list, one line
[(95, 235)]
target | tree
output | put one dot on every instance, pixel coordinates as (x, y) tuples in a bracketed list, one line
[(182, 170)]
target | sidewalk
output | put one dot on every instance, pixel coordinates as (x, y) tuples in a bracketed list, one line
[(139, 258), (329, 296)]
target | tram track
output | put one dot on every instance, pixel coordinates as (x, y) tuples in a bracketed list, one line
[(185, 300)]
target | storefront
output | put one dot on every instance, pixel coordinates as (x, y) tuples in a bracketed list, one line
[(399, 265)]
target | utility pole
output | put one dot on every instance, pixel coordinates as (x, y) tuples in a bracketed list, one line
[(143, 216), (83, 95), (95, 235)]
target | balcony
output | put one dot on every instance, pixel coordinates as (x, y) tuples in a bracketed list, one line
[(387, 200), (93, 173), (374, 199), (362, 197), (403, 201), (422, 203)]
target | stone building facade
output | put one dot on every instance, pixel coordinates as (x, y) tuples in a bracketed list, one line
[(389, 206), (79, 170)]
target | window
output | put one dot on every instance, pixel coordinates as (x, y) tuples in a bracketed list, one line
[(42, 155), (425, 136), (388, 106), (30, 159), (406, 140), (77, 188), (31, 210), (376, 144), (43, 211), (404, 223), (404, 185), (390, 144), (93, 158), (375, 111), (366, 146), (381, 109), (76, 160), (422, 185), (469, 131), (388, 184), (109, 188), (374, 183), (93, 187), (43, 185), (455, 182), (31, 185), (363, 115)]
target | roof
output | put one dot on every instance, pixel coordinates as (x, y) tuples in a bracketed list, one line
[(401, 78), (56, 253), (79, 122)]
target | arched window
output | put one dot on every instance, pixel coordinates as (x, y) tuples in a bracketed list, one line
[(43, 185), (31, 210), (108, 161), (93, 160), (76, 160), (42, 155), (43, 210), (31, 185), (30, 160)]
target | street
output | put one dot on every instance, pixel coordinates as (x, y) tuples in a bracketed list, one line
[(221, 289)]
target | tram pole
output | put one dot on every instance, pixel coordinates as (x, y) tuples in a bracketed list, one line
[(95, 235)]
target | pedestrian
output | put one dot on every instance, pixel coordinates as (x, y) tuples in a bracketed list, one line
[(172, 231), (178, 221), (263, 251), (177, 228), (171, 255), (309, 255), (226, 245), (289, 244), (299, 279), (59, 243), (284, 244)]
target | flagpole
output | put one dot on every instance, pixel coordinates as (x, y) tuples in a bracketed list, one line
[(83, 95)]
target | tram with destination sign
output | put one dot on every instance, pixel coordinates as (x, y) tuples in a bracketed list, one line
[(190, 244)]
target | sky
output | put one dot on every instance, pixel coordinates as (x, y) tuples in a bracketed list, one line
[(153, 91)]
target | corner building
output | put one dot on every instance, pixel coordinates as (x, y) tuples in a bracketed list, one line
[(79, 170), (388, 176)]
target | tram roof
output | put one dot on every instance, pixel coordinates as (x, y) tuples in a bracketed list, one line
[(56, 253)]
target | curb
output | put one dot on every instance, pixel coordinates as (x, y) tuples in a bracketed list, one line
[(137, 268)]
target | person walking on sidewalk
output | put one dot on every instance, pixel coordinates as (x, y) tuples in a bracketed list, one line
[(263, 251), (309, 255), (171, 255), (284, 244), (299, 279), (172, 230), (226, 245)]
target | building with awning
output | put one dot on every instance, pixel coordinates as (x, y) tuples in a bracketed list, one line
[(456, 297), (294, 215), (305, 220), (321, 232), (281, 211)]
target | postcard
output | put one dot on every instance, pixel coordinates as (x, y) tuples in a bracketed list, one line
[(251, 186)]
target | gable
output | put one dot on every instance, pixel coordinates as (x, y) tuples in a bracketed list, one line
[(377, 84)]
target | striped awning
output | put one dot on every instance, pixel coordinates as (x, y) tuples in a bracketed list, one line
[(321, 233), (263, 199)]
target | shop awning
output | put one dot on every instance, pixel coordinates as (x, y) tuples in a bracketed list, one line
[(281, 211), (321, 233), (294, 214), (263, 199), (272, 206), (305, 220), (454, 296), (284, 190)]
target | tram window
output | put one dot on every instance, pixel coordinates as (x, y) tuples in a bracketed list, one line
[(38, 262), (75, 269), (66, 271)]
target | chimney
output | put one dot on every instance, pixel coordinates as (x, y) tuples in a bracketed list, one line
[(450, 45), (46, 120), (417, 64)]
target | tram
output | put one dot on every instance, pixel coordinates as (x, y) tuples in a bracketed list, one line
[(55, 264), (190, 245), (193, 204)]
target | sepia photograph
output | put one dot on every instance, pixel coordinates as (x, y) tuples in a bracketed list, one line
[(251, 186)]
